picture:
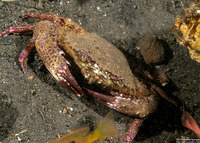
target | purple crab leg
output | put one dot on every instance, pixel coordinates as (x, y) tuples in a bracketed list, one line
[(133, 130), (162, 94), (60, 71), (18, 29), (24, 55), (50, 17), (67, 22)]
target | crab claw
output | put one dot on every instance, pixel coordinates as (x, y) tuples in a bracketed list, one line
[(104, 99), (189, 122), (126, 103), (122, 104), (58, 67)]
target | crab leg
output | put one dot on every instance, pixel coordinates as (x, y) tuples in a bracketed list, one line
[(133, 130), (189, 122), (18, 29), (59, 20), (50, 17), (24, 55), (162, 94), (59, 71)]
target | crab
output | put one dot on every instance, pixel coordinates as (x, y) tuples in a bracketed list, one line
[(61, 43)]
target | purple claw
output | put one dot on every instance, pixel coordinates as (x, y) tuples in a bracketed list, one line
[(104, 99), (127, 104), (70, 82), (111, 102), (60, 71)]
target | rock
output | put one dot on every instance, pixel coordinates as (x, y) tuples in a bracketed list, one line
[(152, 49)]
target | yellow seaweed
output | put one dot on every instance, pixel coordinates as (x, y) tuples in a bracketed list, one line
[(82, 135)]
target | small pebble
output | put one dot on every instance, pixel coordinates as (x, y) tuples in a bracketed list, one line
[(33, 92), (64, 111), (39, 5)]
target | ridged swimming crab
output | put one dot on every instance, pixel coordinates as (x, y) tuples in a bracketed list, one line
[(60, 42)]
